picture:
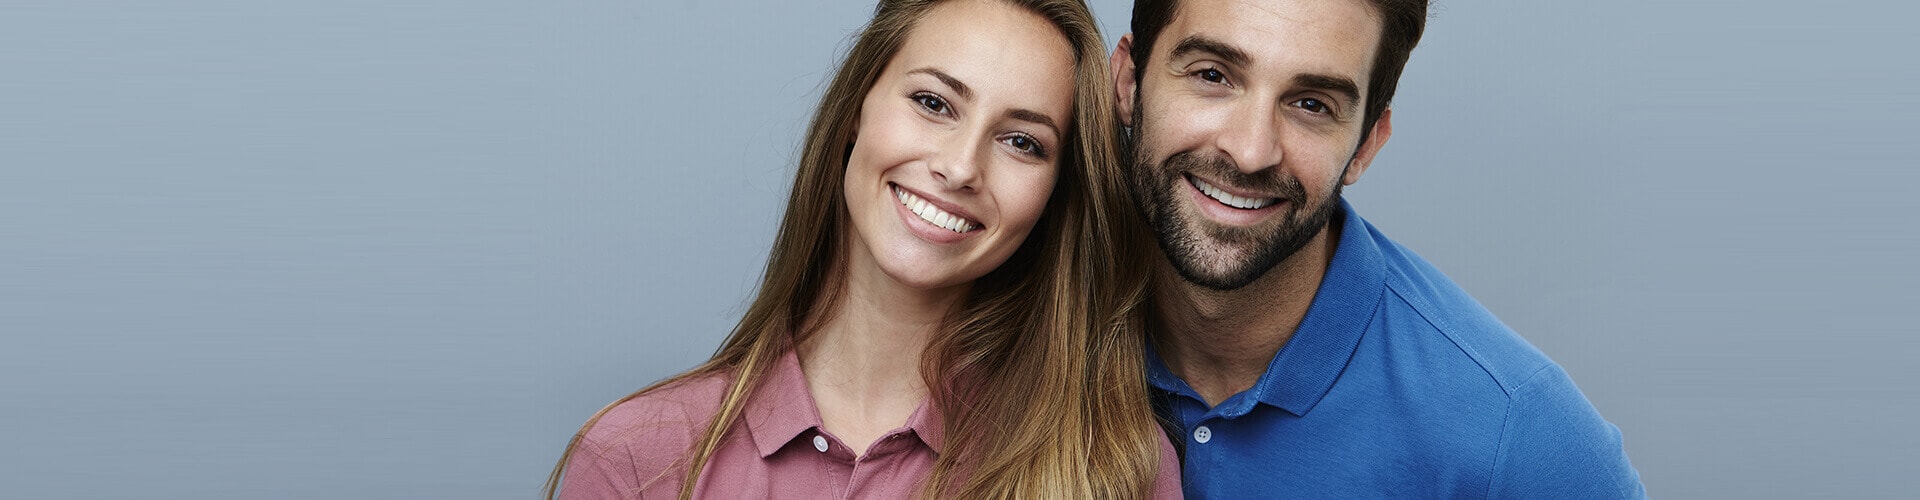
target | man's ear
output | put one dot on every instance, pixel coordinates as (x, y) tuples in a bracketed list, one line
[(1124, 84), (1382, 129)]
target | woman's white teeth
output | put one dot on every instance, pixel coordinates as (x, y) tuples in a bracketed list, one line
[(934, 214), (1231, 200)]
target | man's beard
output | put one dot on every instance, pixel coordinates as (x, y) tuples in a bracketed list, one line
[(1194, 248)]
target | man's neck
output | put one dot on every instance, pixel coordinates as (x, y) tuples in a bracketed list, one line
[(1220, 342)]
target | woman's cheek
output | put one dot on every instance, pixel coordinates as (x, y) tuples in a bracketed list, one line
[(1032, 195)]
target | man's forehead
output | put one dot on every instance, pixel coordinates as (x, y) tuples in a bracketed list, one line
[(1293, 36)]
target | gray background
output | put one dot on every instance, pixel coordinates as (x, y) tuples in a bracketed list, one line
[(356, 249)]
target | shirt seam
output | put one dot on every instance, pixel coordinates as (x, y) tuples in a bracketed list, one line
[(1447, 332), (1506, 427)]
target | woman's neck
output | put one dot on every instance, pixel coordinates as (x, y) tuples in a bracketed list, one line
[(863, 364)]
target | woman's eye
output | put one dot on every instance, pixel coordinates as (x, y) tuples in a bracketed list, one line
[(931, 102), (1313, 105), (1026, 145)]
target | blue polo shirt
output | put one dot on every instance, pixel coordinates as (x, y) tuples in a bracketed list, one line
[(1397, 384)]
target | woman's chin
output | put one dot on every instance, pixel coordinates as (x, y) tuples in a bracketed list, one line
[(930, 276)]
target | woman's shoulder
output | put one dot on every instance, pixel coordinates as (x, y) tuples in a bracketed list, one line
[(1166, 484), (641, 444), (675, 411)]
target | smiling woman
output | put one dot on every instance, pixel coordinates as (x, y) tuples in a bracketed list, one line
[(949, 307), (964, 133)]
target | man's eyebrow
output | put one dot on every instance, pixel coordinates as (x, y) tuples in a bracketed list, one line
[(1199, 43), (1331, 83), (1028, 115), (958, 86)]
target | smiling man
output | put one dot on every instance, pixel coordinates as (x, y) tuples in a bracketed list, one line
[(1301, 352)]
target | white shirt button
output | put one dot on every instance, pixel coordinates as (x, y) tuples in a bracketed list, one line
[(1202, 434), (820, 443)]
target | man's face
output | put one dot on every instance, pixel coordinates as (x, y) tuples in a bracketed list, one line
[(1246, 125)]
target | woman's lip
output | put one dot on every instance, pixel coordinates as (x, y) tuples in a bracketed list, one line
[(924, 229), (943, 205)]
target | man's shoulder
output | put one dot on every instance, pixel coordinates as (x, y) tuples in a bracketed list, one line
[(1551, 441), (1439, 308)]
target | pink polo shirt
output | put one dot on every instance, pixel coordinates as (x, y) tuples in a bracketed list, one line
[(778, 450)]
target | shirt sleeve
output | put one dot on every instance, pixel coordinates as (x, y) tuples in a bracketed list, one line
[(1555, 445), (1166, 486)]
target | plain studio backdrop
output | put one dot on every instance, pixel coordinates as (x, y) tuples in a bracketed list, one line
[(356, 249)]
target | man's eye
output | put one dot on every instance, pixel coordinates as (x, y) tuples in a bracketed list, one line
[(1313, 105), (931, 102), (1211, 75)]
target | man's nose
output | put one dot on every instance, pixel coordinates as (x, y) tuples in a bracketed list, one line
[(1252, 138)]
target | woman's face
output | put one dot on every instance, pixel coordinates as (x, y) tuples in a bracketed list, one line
[(958, 143)]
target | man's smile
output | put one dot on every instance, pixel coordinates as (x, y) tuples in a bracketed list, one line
[(1222, 207), (1229, 199)]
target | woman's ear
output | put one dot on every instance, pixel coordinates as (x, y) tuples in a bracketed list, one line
[(853, 128)]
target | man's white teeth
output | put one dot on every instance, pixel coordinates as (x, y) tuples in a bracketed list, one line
[(1231, 200), (934, 214)]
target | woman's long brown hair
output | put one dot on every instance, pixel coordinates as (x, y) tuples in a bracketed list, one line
[(1040, 375)]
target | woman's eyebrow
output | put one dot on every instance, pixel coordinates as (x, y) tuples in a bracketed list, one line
[(1036, 117), (958, 86)]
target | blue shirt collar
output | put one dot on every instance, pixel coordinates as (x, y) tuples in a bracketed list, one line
[(1306, 367)]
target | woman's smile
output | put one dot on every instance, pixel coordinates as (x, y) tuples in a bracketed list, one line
[(928, 219), (954, 155)]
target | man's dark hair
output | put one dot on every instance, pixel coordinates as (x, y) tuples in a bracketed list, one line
[(1402, 21)]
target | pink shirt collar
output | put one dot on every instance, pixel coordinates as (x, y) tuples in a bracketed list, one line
[(783, 410)]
